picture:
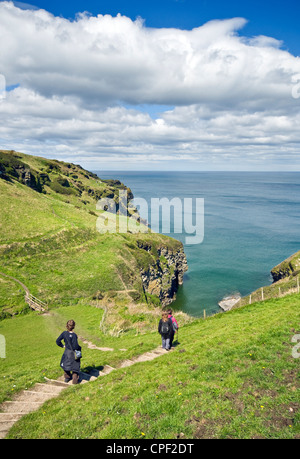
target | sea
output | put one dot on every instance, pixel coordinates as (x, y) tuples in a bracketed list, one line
[(251, 222)]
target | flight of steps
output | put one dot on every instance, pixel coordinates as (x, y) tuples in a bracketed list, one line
[(32, 399)]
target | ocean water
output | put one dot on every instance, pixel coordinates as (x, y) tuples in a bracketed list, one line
[(251, 223)]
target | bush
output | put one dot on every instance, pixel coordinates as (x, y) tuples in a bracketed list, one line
[(62, 189)]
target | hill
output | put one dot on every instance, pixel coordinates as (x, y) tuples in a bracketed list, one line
[(49, 241), (233, 375), (286, 280)]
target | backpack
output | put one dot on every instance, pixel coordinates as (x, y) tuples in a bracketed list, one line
[(165, 328), (174, 323)]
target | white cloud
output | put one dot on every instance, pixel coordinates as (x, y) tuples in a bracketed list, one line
[(232, 95)]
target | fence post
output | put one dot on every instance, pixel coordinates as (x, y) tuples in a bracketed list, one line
[(204, 314), (298, 284), (250, 299), (279, 291), (262, 294)]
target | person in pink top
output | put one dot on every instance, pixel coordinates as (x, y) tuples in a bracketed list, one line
[(174, 323)]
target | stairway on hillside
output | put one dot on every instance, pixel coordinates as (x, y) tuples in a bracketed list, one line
[(31, 400)]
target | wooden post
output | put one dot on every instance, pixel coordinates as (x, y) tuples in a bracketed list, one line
[(297, 284), (279, 291), (204, 314), (262, 294), (250, 299)]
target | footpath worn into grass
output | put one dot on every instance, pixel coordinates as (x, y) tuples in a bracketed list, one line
[(231, 376)]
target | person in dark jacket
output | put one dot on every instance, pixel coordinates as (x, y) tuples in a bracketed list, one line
[(68, 363), (174, 325), (165, 330)]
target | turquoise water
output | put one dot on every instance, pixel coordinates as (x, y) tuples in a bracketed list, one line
[(251, 223)]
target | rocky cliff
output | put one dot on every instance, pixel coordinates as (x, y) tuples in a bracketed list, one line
[(288, 267), (66, 180), (118, 266), (163, 278)]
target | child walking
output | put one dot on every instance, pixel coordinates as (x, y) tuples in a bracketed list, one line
[(165, 330), (174, 325)]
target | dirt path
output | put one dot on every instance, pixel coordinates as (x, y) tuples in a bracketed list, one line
[(16, 280), (93, 346), (31, 400), (32, 301)]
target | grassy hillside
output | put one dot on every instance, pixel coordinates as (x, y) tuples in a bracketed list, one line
[(49, 240), (286, 280), (232, 376)]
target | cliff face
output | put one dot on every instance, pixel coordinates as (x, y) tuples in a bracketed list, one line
[(65, 180), (163, 278), (288, 267), (137, 266)]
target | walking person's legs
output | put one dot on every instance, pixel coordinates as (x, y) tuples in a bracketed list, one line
[(171, 339), (168, 344), (75, 378), (67, 375)]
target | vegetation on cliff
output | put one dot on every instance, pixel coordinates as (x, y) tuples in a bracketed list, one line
[(287, 268), (49, 241), (233, 375), (286, 280)]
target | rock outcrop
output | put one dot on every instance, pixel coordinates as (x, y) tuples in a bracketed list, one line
[(288, 267), (163, 278)]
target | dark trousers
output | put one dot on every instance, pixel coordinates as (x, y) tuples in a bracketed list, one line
[(74, 376), (172, 338)]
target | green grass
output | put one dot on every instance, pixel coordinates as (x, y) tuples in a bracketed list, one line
[(53, 247), (231, 376), (32, 354)]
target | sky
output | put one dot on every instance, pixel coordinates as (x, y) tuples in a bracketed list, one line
[(152, 85)]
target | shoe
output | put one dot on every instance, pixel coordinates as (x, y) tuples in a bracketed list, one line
[(67, 380)]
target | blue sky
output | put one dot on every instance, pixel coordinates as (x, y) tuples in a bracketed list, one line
[(193, 85)]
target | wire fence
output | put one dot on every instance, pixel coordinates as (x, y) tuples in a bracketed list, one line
[(277, 290)]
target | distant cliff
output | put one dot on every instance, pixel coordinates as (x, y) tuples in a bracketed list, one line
[(49, 214), (288, 267), (67, 180), (163, 278), (286, 280)]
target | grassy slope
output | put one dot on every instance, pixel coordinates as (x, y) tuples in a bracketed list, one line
[(50, 243), (231, 376), (287, 281)]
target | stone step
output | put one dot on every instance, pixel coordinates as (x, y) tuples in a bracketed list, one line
[(126, 363), (57, 382), (48, 388), (106, 370), (20, 407), (86, 377), (145, 357), (6, 425), (32, 396), (10, 417)]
